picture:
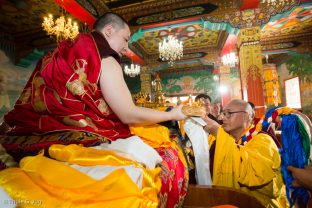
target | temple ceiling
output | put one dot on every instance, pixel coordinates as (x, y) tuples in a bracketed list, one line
[(203, 25), (192, 36)]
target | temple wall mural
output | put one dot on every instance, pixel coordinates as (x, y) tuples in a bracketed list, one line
[(12, 81), (192, 83), (299, 65)]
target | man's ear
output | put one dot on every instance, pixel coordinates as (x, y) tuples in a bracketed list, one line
[(108, 30), (251, 116)]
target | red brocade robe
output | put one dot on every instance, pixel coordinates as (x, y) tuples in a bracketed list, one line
[(63, 95)]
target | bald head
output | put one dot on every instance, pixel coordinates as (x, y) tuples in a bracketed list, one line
[(110, 19), (237, 117), (240, 105)]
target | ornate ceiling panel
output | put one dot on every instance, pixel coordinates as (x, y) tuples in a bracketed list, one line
[(298, 20), (192, 36), (170, 15), (20, 20), (21, 15), (113, 4)]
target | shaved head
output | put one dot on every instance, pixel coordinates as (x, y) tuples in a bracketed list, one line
[(240, 116), (241, 105)]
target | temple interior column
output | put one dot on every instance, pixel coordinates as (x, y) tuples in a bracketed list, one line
[(251, 68), (146, 83), (225, 83)]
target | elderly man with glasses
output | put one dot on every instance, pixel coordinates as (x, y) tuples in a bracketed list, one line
[(245, 162)]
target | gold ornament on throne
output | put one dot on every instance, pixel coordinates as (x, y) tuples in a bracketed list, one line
[(143, 99)]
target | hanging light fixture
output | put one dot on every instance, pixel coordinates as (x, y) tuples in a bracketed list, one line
[(61, 28), (277, 2), (229, 59), (133, 70), (171, 49)]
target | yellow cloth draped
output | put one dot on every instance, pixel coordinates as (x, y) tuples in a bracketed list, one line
[(157, 136), (211, 139), (154, 135), (253, 168), (44, 182)]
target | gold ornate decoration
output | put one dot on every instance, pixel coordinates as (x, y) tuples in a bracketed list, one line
[(277, 2), (145, 78), (250, 51), (271, 84), (193, 110), (79, 66), (159, 95), (144, 99), (102, 106), (170, 15), (76, 87), (61, 28), (253, 17), (38, 102), (72, 122), (25, 96)]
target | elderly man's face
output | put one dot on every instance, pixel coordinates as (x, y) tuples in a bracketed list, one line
[(234, 117)]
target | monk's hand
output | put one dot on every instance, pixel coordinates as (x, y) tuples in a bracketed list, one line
[(177, 114), (298, 174), (278, 121), (294, 172), (212, 126)]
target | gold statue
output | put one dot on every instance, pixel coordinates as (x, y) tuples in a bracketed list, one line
[(159, 95)]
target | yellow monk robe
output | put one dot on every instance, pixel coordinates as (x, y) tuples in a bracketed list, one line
[(253, 168), (44, 182)]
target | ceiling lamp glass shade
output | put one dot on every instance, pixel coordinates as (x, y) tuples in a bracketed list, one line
[(61, 28), (171, 49), (133, 70), (229, 59)]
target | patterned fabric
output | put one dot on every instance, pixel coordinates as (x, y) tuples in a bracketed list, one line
[(21, 146), (174, 178), (174, 175)]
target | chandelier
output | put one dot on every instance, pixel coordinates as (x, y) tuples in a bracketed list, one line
[(170, 49), (229, 59), (277, 2), (133, 70), (60, 27)]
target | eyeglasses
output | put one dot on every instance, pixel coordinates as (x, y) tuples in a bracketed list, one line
[(228, 114)]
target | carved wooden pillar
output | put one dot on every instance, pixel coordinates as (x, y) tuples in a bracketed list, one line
[(225, 82), (145, 76), (251, 69)]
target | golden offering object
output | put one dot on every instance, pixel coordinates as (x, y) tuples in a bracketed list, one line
[(197, 111)]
